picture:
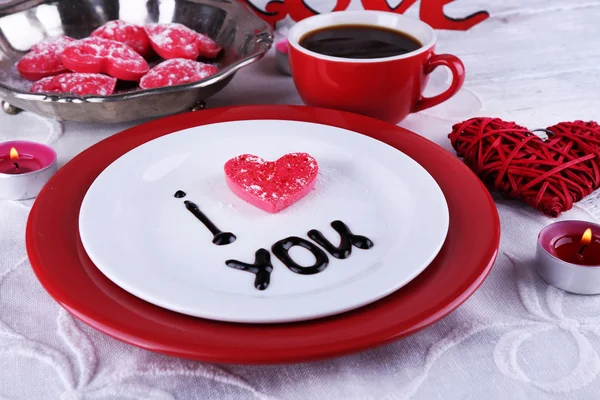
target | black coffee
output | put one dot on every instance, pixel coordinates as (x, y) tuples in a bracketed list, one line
[(359, 41)]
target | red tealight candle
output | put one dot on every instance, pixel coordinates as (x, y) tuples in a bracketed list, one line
[(18, 164), (568, 256), (581, 250)]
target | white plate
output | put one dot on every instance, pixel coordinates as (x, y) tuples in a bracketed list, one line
[(145, 240)]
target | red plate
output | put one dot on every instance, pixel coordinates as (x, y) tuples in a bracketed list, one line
[(66, 272)]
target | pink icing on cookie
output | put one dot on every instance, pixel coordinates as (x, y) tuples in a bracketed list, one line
[(98, 55), (76, 83), (44, 59), (132, 35), (272, 185), (176, 72), (178, 41)]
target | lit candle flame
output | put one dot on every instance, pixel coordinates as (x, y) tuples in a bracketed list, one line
[(586, 239), (14, 154)]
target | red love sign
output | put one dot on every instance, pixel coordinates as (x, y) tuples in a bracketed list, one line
[(430, 12)]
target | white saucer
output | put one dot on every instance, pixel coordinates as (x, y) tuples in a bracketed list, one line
[(146, 241)]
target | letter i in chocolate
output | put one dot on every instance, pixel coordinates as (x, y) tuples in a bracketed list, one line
[(219, 238)]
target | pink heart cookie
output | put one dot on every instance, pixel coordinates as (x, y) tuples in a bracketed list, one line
[(178, 41), (76, 83), (176, 72), (272, 185), (132, 35), (98, 55), (44, 59)]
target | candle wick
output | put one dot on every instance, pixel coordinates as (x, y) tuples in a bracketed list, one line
[(16, 165), (582, 249)]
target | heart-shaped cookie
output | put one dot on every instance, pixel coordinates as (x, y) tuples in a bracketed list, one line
[(132, 35), (176, 72), (44, 59), (272, 185), (76, 83), (178, 41), (549, 175), (98, 55)]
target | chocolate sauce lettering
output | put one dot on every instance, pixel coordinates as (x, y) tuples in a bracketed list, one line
[(262, 268), (220, 238), (281, 251), (347, 240)]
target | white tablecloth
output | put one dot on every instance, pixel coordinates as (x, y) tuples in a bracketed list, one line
[(536, 62)]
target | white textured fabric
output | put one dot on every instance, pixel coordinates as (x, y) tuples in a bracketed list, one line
[(535, 62)]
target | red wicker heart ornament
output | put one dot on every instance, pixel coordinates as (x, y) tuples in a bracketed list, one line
[(550, 175)]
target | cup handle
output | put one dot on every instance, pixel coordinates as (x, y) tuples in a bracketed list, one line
[(458, 78)]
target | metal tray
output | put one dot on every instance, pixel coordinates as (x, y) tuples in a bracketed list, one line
[(243, 35)]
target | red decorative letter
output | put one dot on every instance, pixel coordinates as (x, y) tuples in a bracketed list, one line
[(299, 10), (382, 5), (432, 12), (275, 10)]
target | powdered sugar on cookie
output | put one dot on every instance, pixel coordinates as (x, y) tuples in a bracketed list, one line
[(98, 55), (178, 41), (76, 83), (44, 59), (272, 185), (176, 72), (130, 34)]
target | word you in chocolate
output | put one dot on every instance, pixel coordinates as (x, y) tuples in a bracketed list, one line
[(262, 266)]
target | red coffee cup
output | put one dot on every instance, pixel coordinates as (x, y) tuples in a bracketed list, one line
[(386, 88)]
